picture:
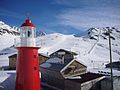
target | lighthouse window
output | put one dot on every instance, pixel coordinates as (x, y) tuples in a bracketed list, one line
[(34, 56), (29, 33), (35, 68), (23, 33)]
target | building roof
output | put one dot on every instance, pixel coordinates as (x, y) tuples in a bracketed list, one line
[(65, 51), (44, 55), (53, 64), (87, 77), (14, 55)]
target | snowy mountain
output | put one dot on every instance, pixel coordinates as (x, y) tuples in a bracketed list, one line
[(92, 47), (40, 33), (7, 35)]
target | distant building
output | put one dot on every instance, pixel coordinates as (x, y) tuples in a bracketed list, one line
[(63, 54), (12, 61), (114, 65), (106, 83), (13, 58)]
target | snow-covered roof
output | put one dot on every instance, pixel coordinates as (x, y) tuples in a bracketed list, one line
[(54, 64), (104, 71), (86, 77), (3, 76), (54, 60), (65, 50), (76, 77)]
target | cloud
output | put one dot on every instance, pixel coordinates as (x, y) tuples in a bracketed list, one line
[(92, 17), (89, 13), (86, 3)]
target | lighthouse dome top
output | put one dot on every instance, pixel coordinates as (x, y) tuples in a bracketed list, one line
[(28, 23)]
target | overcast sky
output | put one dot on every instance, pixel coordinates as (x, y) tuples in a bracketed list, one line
[(63, 16)]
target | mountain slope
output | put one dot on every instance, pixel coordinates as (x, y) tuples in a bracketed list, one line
[(7, 35), (92, 48)]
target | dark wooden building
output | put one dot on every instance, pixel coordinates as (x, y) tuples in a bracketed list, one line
[(13, 58), (54, 72)]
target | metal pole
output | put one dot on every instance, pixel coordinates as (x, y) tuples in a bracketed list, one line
[(112, 88)]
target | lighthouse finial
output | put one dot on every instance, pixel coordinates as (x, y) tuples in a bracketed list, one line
[(28, 15)]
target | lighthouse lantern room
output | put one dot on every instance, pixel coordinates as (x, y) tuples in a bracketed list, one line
[(27, 67), (28, 34)]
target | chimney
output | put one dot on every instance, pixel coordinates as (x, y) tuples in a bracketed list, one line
[(63, 60)]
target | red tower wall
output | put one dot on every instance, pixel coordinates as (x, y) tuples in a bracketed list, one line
[(27, 69)]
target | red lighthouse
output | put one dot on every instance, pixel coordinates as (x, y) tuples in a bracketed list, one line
[(27, 76)]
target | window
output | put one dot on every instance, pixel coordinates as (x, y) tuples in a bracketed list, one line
[(34, 56), (35, 68), (23, 35), (29, 33)]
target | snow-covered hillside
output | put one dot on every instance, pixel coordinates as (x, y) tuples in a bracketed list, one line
[(92, 48), (7, 35), (7, 40)]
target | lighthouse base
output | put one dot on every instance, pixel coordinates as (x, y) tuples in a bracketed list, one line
[(27, 69)]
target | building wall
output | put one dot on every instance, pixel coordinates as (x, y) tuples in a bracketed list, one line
[(53, 78), (106, 83), (42, 59), (71, 85), (12, 63), (74, 69), (91, 85)]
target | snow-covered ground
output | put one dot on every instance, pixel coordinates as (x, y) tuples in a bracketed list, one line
[(7, 80)]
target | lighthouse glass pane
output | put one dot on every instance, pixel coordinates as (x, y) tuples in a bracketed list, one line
[(34, 32), (22, 33), (29, 33)]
